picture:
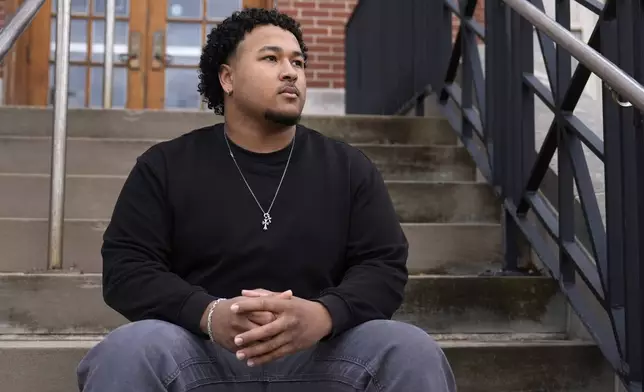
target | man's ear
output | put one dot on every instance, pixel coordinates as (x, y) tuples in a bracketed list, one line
[(226, 78)]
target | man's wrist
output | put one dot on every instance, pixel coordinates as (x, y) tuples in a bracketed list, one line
[(207, 318), (325, 320)]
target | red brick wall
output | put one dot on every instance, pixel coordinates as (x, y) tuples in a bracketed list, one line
[(323, 24), (479, 16), (1, 13), (2, 16)]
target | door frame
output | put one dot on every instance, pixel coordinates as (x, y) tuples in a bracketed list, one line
[(26, 68)]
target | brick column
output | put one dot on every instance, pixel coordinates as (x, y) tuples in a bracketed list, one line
[(479, 16), (2, 16), (323, 23)]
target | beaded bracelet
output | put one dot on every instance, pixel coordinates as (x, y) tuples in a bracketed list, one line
[(212, 309)]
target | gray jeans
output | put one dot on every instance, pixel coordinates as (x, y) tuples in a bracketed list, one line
[(159, 356)]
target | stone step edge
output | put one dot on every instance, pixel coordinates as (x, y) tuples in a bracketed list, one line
[(123, 177), (428, 224), (137, 112), (63, 274), (98, 139), (88, 342)]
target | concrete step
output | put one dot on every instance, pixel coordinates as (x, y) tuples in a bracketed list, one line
[(73, 304), (49, 365), (21, 155), (166, 124), (438, 248), (27, 196)]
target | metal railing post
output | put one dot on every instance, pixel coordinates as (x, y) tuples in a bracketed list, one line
[(59, 140), (108, 71)]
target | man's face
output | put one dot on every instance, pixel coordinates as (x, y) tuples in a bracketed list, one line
[(267, 75)]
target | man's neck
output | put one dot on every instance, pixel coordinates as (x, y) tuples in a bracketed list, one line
[(256, 136)]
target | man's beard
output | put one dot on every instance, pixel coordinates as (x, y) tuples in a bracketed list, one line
[(282, 118)]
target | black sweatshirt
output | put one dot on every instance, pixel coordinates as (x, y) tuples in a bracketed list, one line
[(186, 230)]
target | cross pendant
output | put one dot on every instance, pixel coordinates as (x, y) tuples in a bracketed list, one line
[(266, 221)]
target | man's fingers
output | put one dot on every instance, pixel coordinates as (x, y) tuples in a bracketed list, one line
[(265, 332), (263, 348), (266, 293), (243, 324), (256, 293), (283, 351), (268, 304), (262, 318), (288, 294)]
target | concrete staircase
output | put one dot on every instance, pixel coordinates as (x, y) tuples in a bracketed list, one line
[(500, 333)]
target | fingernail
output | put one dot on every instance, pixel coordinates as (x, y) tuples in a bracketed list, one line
[(239, 341), (251, 363), (240, 355), (234, 308)]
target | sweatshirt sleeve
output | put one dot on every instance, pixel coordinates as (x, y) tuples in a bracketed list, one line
[(137, 280), (376, 255)]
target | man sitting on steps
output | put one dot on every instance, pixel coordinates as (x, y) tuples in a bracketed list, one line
[(258, 254)]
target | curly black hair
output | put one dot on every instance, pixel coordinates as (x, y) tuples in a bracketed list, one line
[(223, 41)]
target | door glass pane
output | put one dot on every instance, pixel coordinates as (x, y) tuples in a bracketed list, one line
[(185, 9), (76, 92), (181, 88), (208, 30), (183, 43), (78, 44), (122, 7), (119, 87), (221, 9), (98, 40), (78, 6)]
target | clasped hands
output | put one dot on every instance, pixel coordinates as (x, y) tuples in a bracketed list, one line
[(261, 326)]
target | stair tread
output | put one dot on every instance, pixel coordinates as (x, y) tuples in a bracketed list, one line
[(409, 224), (445, 341)]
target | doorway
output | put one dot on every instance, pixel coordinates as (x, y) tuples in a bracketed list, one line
[(157, 46)]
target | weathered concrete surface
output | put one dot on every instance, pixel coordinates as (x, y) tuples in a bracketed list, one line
[(434, 248), (552, 366), (470, 304), (153, 124), (118, 156), (27, 196), (73, 304)]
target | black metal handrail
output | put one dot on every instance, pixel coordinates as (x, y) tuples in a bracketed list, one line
[(400, 52)]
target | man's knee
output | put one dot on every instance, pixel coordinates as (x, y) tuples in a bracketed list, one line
[(137, 343), (388, 338)]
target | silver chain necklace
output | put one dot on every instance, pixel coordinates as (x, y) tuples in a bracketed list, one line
[(266, 214)]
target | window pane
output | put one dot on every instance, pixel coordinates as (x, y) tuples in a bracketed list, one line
[(122, 7), (221, 9), (119, 87), (209, 28), (183, 43), (181, 89), (98, 40), (78, 44), (185, 9), (76, 91), (78, 6)]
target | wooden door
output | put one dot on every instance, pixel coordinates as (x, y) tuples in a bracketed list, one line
[(176, 34), (157, 45)]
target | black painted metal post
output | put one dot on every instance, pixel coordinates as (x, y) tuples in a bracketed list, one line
[(467, 78), (622, 43), (497, 69), (609, 45), (566, 180), (443, 42), (631, 13)]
